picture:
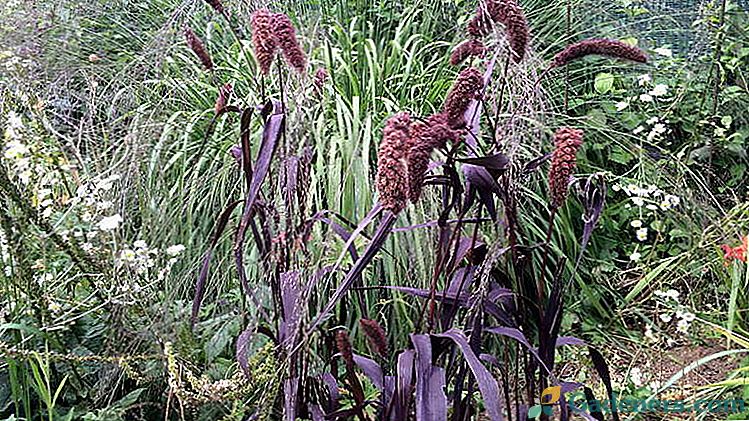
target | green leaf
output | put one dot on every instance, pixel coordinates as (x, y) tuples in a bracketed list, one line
[(534, 411), (604, 82)]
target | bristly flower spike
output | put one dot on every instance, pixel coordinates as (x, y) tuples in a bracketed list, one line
[(467, 87), (197, 47), (264, 41), (601, 47), (343, 344), (567, 141), (391, 168), (425, 138), (376, 336), (287, 41), (508, 13), (466, 49)]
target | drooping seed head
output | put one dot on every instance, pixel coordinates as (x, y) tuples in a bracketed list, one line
[(287, 40), (197, 47), (376, 336), (567, 141), (465, 49), (391, 167), (467, 87), (601, 47), (264, 41)]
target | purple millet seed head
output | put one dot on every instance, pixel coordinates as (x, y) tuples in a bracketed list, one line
[(567, 141), (601, 47)]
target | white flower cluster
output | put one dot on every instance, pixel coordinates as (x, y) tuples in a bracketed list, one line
[(16, 151), (684, 317), (138, 257), (657, 126), (5, 256)]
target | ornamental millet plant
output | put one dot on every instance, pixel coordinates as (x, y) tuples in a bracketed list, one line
[(479, 288)]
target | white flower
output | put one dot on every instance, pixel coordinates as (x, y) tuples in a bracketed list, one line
[(636, 376), (673, 200), (638, 130), (659, 128), (175, 249), (646, 98), (665, 318), (688, 316), (140, 244), (110, 223), (682, 326), (672, 293), (642, 234), (651, 207), (652, 120), (616, 187), (659, 90), (649, 333), (622, 105), (632, 189), (663, 51), (643, 79), (127, 255), (635, 256), (639, 201), (636, 223), (54, 307)]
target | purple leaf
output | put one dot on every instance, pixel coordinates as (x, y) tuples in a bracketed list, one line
[(487, 384), (271, 133), (479, 181), (431, 402), (333, 393), (518, 336), (197, 301), (405, 367), (570, 340), (371, 369), (462, 300), (534, 163), (497, 161), (599, 363), (290, 296), (378, 240), (472, 114)]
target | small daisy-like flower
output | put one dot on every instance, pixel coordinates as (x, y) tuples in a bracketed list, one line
[(682, 326), (127, 255), (642, 234), (632, 189), (636, 223), (175, 250), (110, 223), (643, 79), (638, 130), (616, 187), (672, 294), (663, 51), (646, 98), (637, 200), (140, 244), (659, 90), (665, 317), (635, 256), (651, 207), (621, 105), (649, 333)]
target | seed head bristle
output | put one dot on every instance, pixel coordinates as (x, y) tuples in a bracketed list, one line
[(376, 336), (465, 49), (264, 41), (601, 47), (391, 168), (197, 47), (467, 86), (286, 35), (567, 141), (223, 98), (425, 137), (343, 344)]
